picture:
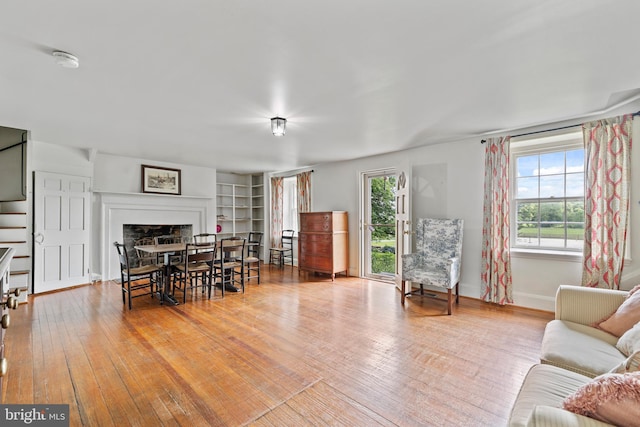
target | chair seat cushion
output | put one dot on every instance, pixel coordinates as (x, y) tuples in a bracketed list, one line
[(430, 276), (196, 267), (145, 269), (579, 348)]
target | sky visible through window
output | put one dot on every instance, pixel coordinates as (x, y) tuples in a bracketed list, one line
[(543, 176)]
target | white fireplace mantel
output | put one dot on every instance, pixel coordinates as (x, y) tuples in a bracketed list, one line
[(117, 209)]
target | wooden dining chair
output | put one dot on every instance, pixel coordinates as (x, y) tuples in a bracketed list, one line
[(146, 278), (166, 240), (252, 260), (283, 253), (197, 270), (145, 258), (229, 266)]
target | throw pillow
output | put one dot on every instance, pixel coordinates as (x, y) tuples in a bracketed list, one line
[(627, 315), (610, 398), (630, 340), (631, 364), (633, 290)]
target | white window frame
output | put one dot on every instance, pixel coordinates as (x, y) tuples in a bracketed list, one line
[(558, 141)]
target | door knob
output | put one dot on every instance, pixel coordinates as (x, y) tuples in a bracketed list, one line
[(11, 302), (6, 321)]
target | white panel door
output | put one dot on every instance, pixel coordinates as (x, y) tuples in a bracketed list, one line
[(403, 224), (61, 231)]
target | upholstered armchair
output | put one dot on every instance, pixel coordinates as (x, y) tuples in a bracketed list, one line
[(436, 261)]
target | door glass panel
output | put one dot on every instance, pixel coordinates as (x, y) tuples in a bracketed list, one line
[(381, 229)]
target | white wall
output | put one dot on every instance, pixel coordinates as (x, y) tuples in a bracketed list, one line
[(118, 175), (448, 181)]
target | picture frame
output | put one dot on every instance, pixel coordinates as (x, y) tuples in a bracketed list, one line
[(159, 180)]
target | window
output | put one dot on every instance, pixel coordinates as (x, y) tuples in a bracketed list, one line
[(290, 203), (548, 196)]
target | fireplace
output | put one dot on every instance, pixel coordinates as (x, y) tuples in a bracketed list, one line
[(182, 214)]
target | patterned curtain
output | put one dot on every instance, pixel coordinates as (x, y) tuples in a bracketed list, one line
[(276, 212), (496, 258), (607, 173), (304, 191)]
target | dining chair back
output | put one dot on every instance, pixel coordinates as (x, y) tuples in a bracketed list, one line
[(252, 260)]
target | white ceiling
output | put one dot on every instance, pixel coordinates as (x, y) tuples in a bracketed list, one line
[(195, 82)]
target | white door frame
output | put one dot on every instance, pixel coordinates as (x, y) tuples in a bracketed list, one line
[(404, 229), (61, 231), (365, 204)]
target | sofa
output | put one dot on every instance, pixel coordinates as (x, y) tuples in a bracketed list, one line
[(580, 357)]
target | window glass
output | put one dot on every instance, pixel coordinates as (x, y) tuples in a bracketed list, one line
[(548, 196), (290, 204)]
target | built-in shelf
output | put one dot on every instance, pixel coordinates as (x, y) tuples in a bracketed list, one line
[(240, 204)]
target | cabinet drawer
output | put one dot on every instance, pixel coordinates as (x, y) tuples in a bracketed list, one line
[(316, 221), (318, 245), (315, 262)]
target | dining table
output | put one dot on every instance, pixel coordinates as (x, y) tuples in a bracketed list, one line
[(167, 250)]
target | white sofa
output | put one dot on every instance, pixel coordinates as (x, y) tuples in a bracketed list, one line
[(573, 353)]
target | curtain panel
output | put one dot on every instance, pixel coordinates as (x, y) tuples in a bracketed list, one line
[(276, 211), (495, 276), (607, 192), (303, 180)]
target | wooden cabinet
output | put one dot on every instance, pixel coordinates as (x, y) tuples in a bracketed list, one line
[(323, 242)]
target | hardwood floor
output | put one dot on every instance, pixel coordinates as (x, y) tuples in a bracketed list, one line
[(293, 351)]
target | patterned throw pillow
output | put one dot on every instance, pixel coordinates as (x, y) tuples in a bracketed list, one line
[(611, 398), (627, 315), (630, 340)]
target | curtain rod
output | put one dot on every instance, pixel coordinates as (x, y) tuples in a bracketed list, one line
[(289, 174), (637, 113)]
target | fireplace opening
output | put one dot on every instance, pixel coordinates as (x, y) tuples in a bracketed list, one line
[(134, 233)]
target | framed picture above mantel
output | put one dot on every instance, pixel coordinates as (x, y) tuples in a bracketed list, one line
[(159, 180)]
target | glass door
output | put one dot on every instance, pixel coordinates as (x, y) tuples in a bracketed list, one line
[(379, 225)]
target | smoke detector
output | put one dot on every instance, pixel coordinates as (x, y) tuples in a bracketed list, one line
[(65, 59)]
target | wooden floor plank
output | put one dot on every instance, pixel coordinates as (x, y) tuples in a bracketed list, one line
[(295, 350)]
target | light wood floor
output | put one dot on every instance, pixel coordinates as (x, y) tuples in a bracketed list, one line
[(294, 351)]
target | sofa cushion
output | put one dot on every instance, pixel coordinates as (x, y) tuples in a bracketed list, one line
[(630, 340), (579, 348), (548, 416), (627, 315), (612, 398), (544, 385)]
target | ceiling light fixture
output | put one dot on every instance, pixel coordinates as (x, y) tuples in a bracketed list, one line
[(65, 59), (278, 125)]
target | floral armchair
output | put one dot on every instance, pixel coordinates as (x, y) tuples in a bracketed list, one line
[(436, 261)]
